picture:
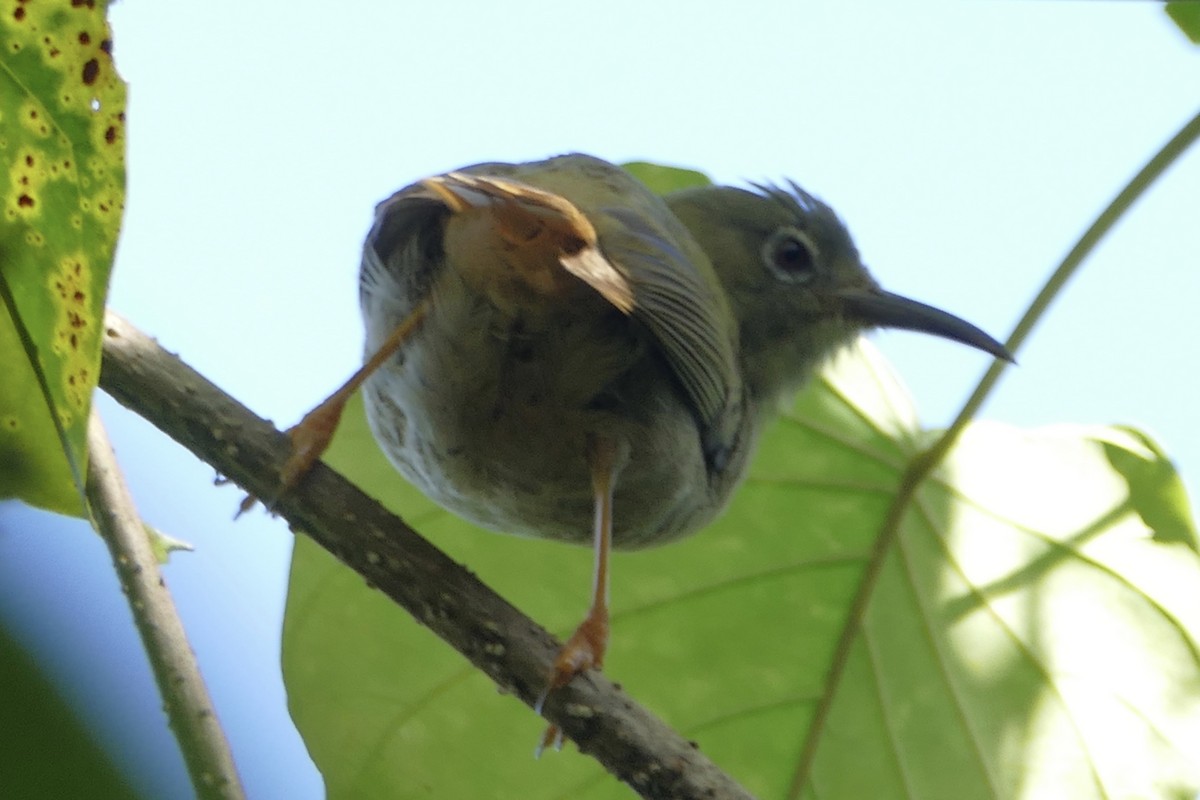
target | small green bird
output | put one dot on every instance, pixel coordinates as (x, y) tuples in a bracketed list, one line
[(555, 351)]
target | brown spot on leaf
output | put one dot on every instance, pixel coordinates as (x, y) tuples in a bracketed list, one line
[(29, 159), (25, 201), (110, 134), (19, 13), (83, 3), (90, 70), (85, 37), (106, 46)]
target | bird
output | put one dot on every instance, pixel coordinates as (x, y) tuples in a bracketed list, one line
[(552, 350)]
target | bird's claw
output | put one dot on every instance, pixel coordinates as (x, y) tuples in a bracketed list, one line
[(552, 737), (583, 651), (310, 439)]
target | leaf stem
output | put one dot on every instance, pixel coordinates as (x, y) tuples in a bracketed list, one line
[(923, 463), (1104, 223), (185, 698)]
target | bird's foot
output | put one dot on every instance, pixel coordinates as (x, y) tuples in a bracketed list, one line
[(310, 439), (583, 651)]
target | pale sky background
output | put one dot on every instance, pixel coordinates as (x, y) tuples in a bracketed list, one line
[(967, 144)]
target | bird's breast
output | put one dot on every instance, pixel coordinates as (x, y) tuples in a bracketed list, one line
[(489, 407)]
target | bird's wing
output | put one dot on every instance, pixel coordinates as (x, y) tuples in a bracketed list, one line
[(680, 305), (633, 262), (402, 252), (529, 217)]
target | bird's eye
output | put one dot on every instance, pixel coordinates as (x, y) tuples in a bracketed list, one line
[(791, 255)]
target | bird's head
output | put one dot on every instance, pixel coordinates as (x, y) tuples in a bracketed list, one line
[(796, 283)]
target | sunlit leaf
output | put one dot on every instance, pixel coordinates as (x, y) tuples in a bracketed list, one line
[(1156, 491), (1030, 634), (62, 145)]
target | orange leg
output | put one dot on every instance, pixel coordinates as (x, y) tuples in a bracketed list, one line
[(312, 435), (585, 649)]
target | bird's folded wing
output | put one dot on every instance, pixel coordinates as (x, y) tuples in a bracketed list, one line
[(528, 216), (680, 305), (629, 261)]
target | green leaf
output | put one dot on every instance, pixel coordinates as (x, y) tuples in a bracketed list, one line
[(1156, 491), (664, 180), (46, 749), (1030, 633), (1186, 14), (163, 545), (62, 143)]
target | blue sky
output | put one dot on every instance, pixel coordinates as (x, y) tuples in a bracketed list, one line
[(966, 144)]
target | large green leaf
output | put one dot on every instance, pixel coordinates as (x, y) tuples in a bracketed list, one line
[(1029, 634), (62, 144)]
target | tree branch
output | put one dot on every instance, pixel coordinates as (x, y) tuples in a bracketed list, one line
[(511, 649), (185, 698)]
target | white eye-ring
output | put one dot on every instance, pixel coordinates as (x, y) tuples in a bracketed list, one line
[(791, 255)]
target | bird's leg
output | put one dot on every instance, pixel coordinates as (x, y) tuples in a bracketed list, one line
[(585, 649), (312, 435)]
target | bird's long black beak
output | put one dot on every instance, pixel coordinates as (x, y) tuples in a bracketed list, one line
[(877, 307)]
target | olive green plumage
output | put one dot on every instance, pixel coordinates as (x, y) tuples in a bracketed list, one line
[(568, 301)]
